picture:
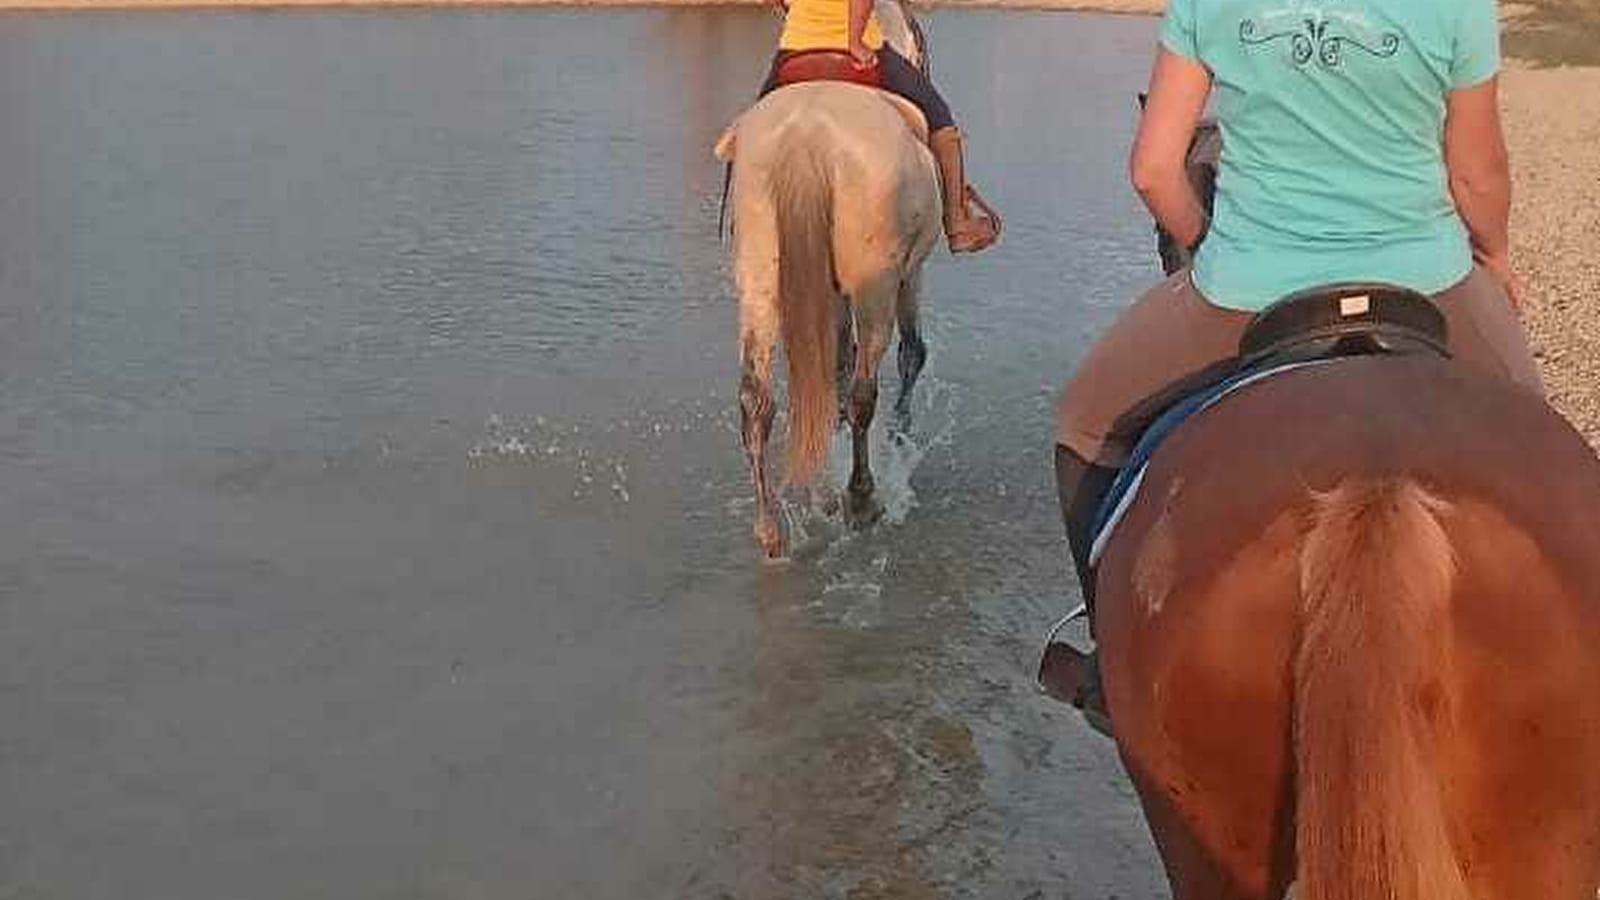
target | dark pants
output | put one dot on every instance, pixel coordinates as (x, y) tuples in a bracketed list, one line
[(899, 77)]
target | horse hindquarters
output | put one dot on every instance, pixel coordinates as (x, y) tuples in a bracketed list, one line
[(1320, 673), (1380, 695), (1447, 721), (783, 262)]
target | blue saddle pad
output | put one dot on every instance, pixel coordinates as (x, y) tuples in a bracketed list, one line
[(1126, 487)]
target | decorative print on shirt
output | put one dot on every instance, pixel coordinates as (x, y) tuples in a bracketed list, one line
[(1324, 37)]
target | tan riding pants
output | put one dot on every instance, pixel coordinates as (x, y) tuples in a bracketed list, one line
[(1173, 340)]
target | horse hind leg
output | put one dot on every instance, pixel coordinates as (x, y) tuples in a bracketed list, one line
[(756, 412), (847, 358), (873, 311), (913, 352), (756, 269)]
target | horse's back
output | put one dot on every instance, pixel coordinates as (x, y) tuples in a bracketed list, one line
[(848, 108), (1454, 430), (1204, 597)]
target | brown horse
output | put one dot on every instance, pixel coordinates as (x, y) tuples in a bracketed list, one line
[(1364, 655), (1350, 640)]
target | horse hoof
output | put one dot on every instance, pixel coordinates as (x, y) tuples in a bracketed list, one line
[(901, 425), (828, 503), (863, 511), (770, 537)]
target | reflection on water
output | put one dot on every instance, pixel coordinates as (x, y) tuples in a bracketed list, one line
[(375, 520)]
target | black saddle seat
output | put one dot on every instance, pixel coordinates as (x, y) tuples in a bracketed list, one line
[(1342, 320)]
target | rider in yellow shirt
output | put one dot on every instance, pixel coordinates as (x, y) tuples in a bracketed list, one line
[(824, 25), (849, 26)]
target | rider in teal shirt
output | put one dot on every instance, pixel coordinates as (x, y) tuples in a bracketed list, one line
[(1331, 114), (1361, 142)]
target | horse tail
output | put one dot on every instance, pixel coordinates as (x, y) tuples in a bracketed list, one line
[(1376, 576), (802, 192)]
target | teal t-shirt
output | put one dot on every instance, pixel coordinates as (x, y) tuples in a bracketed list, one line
[(1332, 116)]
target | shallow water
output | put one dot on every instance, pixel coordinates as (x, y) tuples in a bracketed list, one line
[(374, 519)]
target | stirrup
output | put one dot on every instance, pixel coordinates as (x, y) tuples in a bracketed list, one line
[(989, 219), (1072, 676)]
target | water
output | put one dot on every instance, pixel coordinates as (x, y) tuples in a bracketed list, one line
[(374, 520)]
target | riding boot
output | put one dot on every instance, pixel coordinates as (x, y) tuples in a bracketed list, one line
[(965, 232), (1082, 487)]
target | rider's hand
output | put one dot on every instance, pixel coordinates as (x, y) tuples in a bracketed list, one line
[(1499, 268), (863, 56)]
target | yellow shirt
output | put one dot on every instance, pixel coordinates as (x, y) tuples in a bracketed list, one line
[(824, 25)]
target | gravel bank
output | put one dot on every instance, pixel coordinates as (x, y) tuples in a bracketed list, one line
[(1552, 120)]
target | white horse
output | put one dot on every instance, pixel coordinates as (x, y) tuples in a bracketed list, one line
[(836, 204)]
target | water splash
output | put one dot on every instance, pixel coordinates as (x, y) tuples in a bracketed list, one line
[(814, 519), (896, 454), (855, 595), (502, 441)]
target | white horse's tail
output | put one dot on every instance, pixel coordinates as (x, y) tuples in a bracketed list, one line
[(802, 193)]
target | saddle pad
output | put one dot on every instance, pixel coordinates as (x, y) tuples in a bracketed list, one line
[(826, 65), (1126, 487)]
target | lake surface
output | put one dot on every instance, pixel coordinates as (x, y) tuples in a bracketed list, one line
[(372, 517)]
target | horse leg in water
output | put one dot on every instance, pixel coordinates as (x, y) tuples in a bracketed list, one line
[(913, 352), (756, 412), (847, 358), (823, 495), (758, 340), (874, 308)]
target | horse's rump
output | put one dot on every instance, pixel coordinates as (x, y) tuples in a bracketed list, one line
[(726, 146), (853, 199), (1396, 563)]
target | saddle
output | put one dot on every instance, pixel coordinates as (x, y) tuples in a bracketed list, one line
[(826, 65), (1345, 320), (1311, 327)]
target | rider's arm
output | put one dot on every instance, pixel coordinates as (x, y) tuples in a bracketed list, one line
[(1480, 174), (1178, 90), (1474, 145), (860, 12)]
